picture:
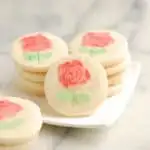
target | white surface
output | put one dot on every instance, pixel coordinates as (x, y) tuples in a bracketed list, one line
[(107, 113)]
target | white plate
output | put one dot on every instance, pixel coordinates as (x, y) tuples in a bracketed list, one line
[(107, 113)]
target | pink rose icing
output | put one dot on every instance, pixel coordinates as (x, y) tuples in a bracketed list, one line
[(8, 109), (36, 43), (97, 39), (73, 73)]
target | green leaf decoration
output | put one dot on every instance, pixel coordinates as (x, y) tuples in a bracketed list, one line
[(10, 124), (65, 95), (76, 98), (92, 51), (97, 51), (44, 56), (31, 56), (82, 97), (37, 56)]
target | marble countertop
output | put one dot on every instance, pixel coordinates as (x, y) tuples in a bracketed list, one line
[(66, 18)]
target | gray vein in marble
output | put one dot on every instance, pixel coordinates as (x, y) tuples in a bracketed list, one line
[(61, 140), (84, 16), (77, 137), (104, 18), (141, 40)]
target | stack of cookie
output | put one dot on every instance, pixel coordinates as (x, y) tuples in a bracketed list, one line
[(107, 47), (33, 55), (115, 75)]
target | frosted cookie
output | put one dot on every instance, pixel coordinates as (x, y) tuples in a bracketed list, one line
[(33, 88), (108, 47), (20, 123), (31, 76), (114, 90), (116, 79), (76, 86), (37, 51)]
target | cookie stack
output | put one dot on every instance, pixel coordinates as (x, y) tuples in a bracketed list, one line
[(115, 75), (107, 47), (33, 55)]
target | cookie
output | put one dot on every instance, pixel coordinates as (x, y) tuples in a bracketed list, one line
[(106, 46), (118, 67), (76, 86), (116, 79), (20, 122), (114, 90), (30, 87), (36, 51), (31, 76)]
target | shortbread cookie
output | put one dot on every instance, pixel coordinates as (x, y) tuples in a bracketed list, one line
[(37, 51), (30, 87), (20, 122), (125, 62), (116, 69), (120, 67), (116, 79), (114, 90), (76, 86), (106, 46), (31, 76)]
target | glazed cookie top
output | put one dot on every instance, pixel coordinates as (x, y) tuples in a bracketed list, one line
[(106, 46), (78, 81), (37, 51), (20, 120)]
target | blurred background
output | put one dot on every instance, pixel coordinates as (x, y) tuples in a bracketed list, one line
[(65, 18)]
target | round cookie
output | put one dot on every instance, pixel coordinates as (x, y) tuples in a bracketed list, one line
[(106, 46), (30, 87), (36, 51), (116, 79), (76, 86), (114, 90), (31, 76), (20, 122)]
